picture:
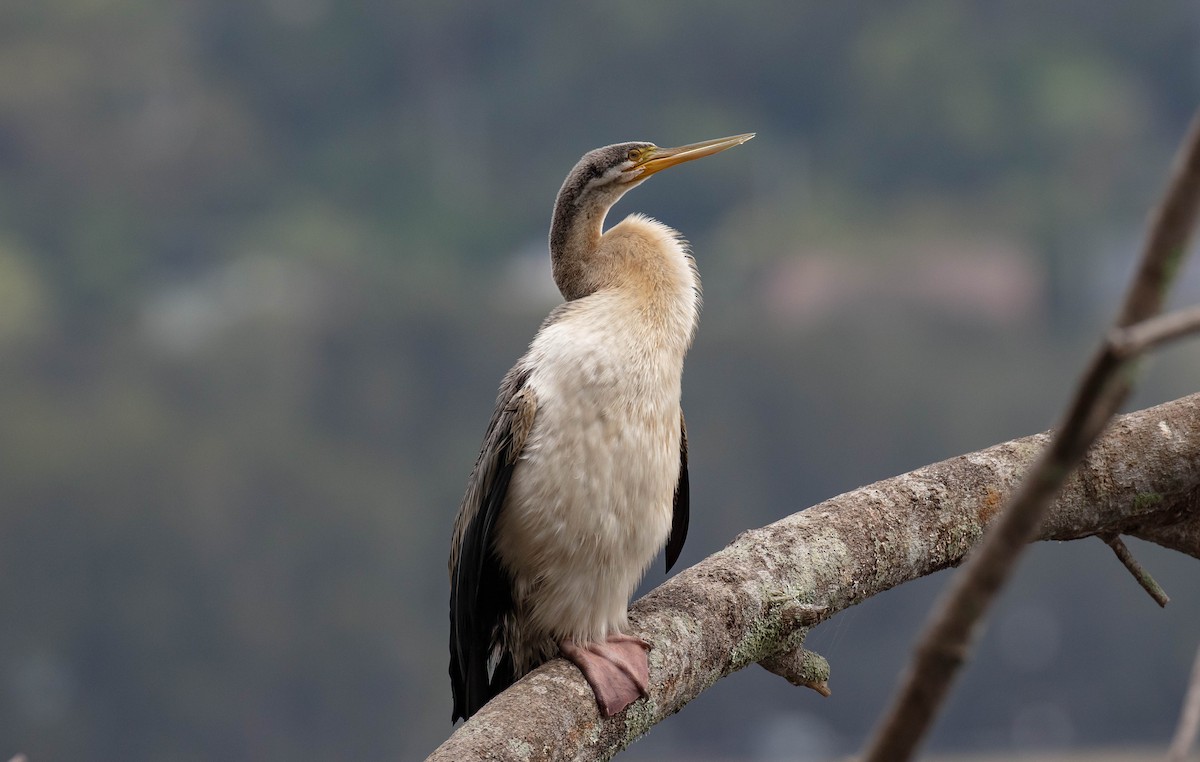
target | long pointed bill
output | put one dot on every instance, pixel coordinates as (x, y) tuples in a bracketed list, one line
[(659, 159)]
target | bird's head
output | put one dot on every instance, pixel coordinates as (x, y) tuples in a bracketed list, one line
[(596, 183), (621, 166)]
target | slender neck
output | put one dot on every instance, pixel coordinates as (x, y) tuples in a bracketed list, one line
[(574, 238), (575, 232)]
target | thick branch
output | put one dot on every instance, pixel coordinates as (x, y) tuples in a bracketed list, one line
[(1183, 535), (946, 640), (737, 606)]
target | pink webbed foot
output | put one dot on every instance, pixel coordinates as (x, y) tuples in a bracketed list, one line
[(617, 669)]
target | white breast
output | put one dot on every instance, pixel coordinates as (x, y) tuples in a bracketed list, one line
[(590, 502)]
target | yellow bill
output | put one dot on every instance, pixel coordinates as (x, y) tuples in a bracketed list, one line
[(658, 159)]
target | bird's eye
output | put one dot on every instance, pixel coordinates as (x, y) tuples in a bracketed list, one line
[(635, 154)]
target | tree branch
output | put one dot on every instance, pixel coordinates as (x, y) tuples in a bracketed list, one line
[(800, 667), (945, 642), (1183, 536), (738, 606), (1149, 334), (1143, 577)]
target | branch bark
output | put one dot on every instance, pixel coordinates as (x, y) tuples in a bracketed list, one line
[(946, 640), (739, 606)]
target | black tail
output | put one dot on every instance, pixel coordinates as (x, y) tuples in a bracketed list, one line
[(474, 637)]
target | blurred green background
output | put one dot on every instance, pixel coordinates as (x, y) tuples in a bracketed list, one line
[(263, 264)]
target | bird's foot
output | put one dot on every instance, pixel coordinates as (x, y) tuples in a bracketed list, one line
[(617, 668)]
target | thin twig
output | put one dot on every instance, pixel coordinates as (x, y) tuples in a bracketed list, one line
[(1148, 583), (946, 640), (1189, 718), (1152, 333)]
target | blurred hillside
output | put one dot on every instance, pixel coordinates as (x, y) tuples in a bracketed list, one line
[(263, 264)]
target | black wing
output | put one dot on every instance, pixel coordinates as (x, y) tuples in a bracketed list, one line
[(679, 514), (480, 592)]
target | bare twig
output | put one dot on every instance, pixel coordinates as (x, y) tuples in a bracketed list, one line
[(725, 612), (1189, 718), (1148, 583), (1152, 333), (946, 640)]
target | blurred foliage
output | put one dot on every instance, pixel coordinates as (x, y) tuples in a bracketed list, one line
[(262, 265)]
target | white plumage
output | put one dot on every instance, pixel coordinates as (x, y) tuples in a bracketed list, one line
[(590, 500)]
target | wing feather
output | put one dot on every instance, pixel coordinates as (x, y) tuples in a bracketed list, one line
[(480, 593), (681, 509)]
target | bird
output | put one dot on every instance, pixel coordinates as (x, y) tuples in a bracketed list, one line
[(582, 477)]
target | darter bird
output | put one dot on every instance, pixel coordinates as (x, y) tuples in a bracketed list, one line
[(583, 474)]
